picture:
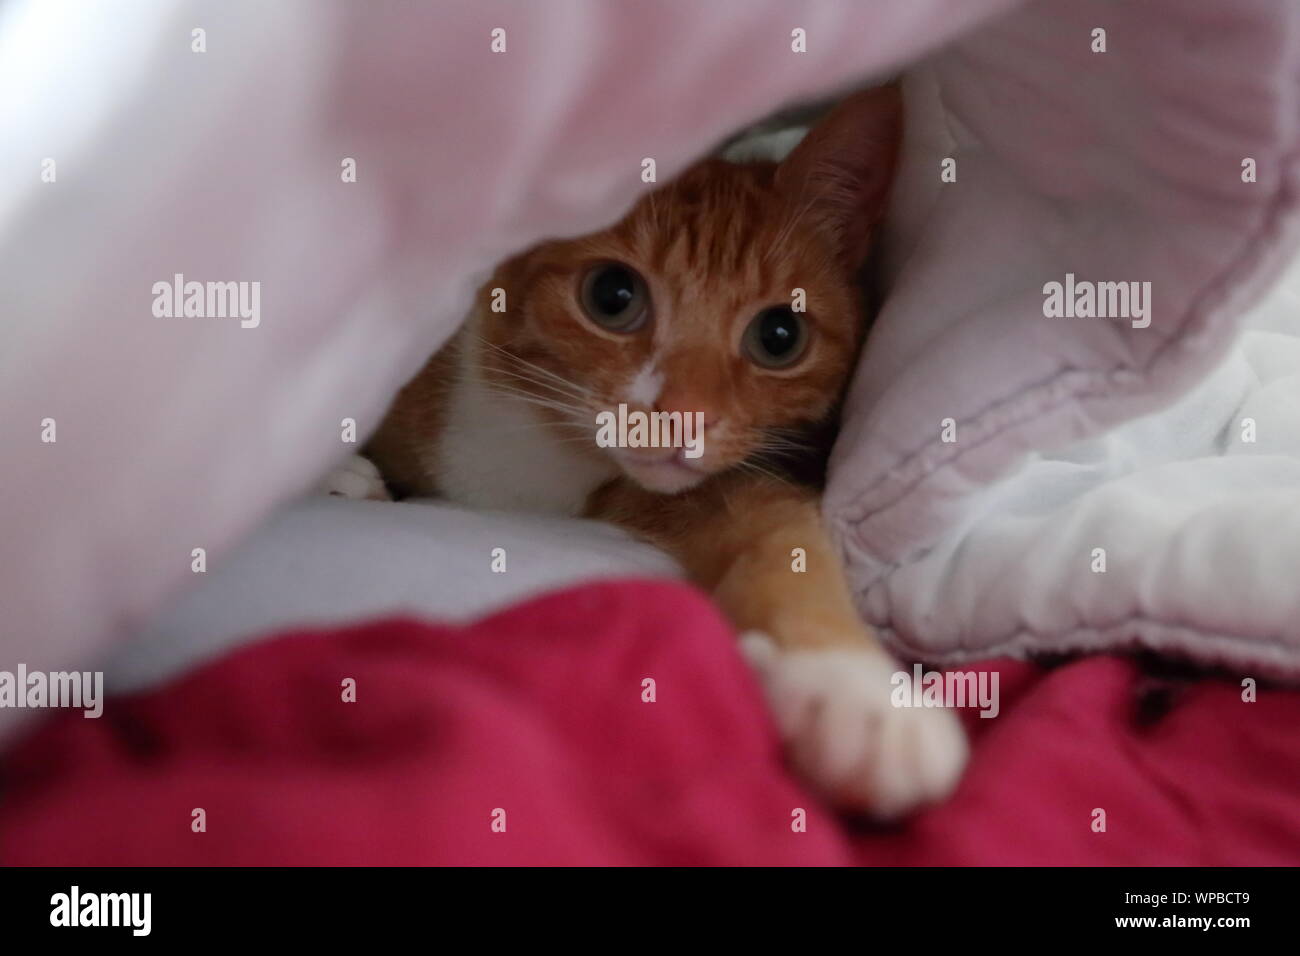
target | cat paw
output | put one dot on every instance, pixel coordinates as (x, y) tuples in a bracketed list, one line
[(844, 735), (356, 478)]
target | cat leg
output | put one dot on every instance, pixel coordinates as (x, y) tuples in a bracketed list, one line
[(826, 676), (355, 478)]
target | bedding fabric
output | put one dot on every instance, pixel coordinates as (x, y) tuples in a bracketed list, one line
[(1009, 482), (176, 434), (326, 561), (537, 719)]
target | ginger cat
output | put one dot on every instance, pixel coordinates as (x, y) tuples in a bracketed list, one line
[(685, 305)]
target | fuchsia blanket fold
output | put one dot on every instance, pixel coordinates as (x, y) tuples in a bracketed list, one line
[(537, 720)]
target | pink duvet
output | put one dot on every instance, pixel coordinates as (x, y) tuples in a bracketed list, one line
[(527, 739)]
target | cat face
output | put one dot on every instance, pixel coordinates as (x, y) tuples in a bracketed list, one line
[(732, 292)]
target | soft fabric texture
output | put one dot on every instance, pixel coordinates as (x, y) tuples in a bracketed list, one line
[(540, 712), (327, 561), (1197, 511), (1118, 166), (176, 434)]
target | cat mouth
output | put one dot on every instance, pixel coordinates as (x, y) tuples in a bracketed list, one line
[(668, 473)]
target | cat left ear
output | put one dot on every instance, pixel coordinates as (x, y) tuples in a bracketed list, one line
[(845, 166)]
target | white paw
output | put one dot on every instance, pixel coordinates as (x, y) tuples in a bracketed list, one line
[(847, 739), (355, 478)]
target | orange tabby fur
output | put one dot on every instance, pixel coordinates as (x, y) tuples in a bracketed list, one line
[(715, 247)]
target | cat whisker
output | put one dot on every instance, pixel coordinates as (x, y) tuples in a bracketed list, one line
[(573, 388), (519, 394), (535, 426), (784, 437), (783, 444), (514, 376), (558, 386), (782, 451), (748, 465), (776, 438), (514, 391), (528, 380)]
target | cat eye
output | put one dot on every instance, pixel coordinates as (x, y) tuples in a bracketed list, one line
[(615, 297), (775, 338)]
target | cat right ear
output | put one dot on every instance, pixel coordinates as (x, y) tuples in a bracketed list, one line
[(845, 167)]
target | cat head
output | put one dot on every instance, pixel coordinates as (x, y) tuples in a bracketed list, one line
[(692, 302)]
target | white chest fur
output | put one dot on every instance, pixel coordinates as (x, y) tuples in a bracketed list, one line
[(495, 452)]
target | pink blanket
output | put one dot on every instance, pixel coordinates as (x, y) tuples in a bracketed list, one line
[(536, 721)]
